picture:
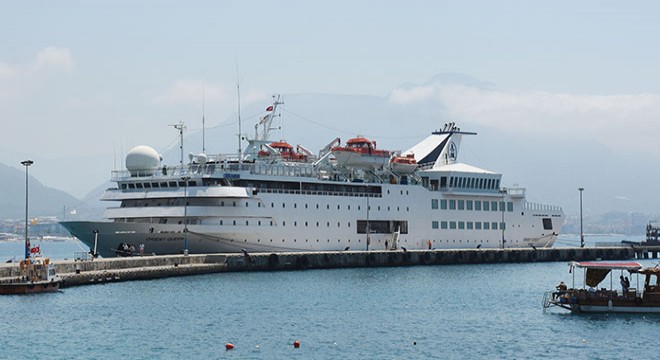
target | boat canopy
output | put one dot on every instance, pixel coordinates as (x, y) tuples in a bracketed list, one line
[(625, 265), (650, 271), (597, 271)]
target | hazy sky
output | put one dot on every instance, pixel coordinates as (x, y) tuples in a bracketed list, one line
[(83, 80)]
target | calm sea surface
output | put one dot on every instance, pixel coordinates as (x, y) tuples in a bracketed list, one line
[(446, 312)]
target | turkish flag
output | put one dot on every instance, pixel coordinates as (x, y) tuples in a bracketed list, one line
[(35, 250)]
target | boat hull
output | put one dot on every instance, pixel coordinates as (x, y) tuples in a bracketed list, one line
[(18, 288), (162, 239)]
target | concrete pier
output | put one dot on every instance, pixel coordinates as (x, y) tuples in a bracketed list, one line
[(99, 271)]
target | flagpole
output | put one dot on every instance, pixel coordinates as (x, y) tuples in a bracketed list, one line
[(27, 164)]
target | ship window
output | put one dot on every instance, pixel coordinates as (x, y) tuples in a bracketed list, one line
[(434, 224), (317, 224), (327, 207), (477, 205), (469, 225), (338, 207), (305, 206), (509, 206), (272, 205), (138, 185), (443, 204), (220, 222), (295, 223), (477, 226), (317, 206), (486, 226), (461, 204), (247, 222), (452, 204), (222, 203), (295, 205), (147, 185), (486, 206), (163, 184), (443, 181), (283, 205), (271, 224), (259, 223), (493, 205), (434, 203), (234, 222), (359, 207), (172, 183), (131, 186), (452, 224), (493, 226), (468, 204), (443, 224), (246, 204), (461, 225), (283, 223), (305, 223), (338, 224), (349, 207), (234, 204), (502, 226), (328, 223), (547, 224)]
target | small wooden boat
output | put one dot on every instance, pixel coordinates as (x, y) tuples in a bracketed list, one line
[(37, 275), (598, 293)]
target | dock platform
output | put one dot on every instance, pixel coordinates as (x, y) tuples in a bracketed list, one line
[(103, 270)]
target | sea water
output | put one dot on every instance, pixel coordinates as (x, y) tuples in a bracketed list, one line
[(418, 312)]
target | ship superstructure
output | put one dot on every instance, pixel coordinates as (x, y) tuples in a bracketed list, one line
[(273, 199)]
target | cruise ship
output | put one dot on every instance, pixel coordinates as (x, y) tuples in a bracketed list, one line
[(272, 197)]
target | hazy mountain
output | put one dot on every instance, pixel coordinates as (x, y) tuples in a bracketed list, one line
[(43, 201), (551, 167)]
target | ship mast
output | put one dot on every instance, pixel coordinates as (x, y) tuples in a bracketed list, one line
[(203, 123), (238, 92), (180, 126)]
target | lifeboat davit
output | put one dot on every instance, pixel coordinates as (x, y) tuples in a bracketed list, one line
[(404, 164), (361, 153), (284, 150)]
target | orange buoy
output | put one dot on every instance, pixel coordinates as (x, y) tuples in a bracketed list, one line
[(296, 344), (229, 346)]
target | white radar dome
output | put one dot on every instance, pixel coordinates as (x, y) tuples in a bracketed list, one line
[(142, 160)]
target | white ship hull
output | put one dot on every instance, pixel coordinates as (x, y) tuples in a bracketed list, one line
[(323, 222)]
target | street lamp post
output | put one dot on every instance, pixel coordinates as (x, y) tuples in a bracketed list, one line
[(27, 164), (581, 229), (185, 214), (502, 205)]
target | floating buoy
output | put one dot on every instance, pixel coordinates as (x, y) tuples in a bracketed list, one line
[(296, 344), (229, 346)]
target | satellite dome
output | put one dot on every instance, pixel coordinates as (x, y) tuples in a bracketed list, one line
[(142, 160)]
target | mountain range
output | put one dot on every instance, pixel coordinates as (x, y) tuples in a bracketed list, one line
[(550, 165)]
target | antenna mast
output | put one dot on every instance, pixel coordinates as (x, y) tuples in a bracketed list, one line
[(203, 123), (238, 91), (180, 126)]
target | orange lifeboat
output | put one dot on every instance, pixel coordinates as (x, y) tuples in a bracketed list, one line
[(361, 152), (404, 164), (284, 150)]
